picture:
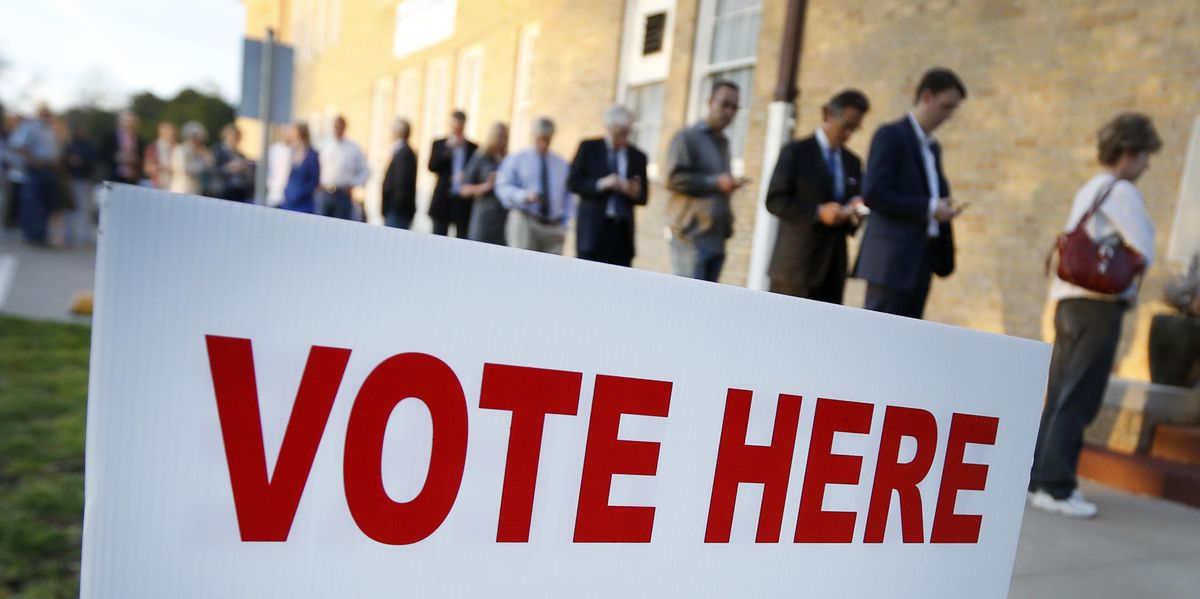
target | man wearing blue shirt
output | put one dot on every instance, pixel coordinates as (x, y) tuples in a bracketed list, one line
[(532, 184)]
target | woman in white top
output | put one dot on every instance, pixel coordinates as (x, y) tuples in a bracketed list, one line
[(191, 162), (1087, 324)]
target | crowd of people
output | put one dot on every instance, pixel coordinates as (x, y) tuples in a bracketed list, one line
[(50, 169), (821, 192)]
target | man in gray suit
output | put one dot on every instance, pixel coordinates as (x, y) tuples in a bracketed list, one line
[(700, 183)]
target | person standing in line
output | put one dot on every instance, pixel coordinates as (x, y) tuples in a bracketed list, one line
[(36, 144), (532, 184), (191, 162), (305, 176), (159, 155), (909, 237), (121, 153), (815, 193), (400, 181), (80, 159), (609, 176), (14, 175), (700, 182), (1087, 324), (488, 215), (279, 165), (343, 167), (448, 158), (233, 173)]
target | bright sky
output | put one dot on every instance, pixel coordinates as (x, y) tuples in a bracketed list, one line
[(62, 51)]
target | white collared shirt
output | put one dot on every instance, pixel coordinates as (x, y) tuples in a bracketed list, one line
[(342, 164), (926, 143)]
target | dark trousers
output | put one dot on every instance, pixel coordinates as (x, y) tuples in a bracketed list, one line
[(910, 303), (460, 217), (397, 220), (616, 239), (1086, 332), (37, 195), (335, 203), (13, 209), (831, 290)]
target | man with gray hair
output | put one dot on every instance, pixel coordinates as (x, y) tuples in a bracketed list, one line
[(532, 184), (400, 181), (609, 176)]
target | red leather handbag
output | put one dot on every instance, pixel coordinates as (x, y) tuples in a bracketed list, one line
[(1108, 266)]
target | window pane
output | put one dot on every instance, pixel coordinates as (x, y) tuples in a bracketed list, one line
[(646, 102)]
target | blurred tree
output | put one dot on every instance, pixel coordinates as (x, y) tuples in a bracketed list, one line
[(189, 105)]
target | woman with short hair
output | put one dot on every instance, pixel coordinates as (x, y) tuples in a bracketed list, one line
[(1087, 324)]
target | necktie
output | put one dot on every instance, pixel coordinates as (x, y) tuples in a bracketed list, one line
[(614, 207), (835, 170), (544, 190)]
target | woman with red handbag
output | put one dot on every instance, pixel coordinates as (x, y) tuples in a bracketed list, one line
[(1109, 241)]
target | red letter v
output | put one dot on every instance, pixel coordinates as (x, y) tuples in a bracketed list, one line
[(265, 507)]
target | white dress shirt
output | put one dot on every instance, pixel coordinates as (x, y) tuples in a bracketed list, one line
[(520, 174), (343, 164), (1124, 214), (926, 143)]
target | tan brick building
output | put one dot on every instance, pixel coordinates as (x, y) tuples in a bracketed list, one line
[(1042, 77)]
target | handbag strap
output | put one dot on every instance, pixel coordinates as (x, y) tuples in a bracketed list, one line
[(1100, 197)]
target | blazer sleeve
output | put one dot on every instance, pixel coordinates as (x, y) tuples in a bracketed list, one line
[(408, 180), (783, 198), (390, 190), (439, 158), (882, 179), (637, 168), (581, 180)]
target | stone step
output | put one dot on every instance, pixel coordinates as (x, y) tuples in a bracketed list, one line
[(1178, 443), (1142, 475)]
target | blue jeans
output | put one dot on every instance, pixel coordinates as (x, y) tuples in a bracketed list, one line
[(37, 194), (696, 261), (398, 221), (335, 203)]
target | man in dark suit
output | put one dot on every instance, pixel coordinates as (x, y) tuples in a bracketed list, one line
[(400, 181), (120, 154), (448, 159), (815, 193), (609, 176), (909, 237)]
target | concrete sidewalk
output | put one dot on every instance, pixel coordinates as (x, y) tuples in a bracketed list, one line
[(39, 283), (1137, 547)]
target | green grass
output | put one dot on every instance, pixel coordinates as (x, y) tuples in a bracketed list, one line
[(43, 395)]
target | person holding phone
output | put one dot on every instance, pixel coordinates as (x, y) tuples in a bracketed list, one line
[(609, 175), (815, 193), (700, 181), (910, 236)]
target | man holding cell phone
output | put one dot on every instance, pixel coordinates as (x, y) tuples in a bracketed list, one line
[(909, 236), (815, 193), (698, 176), (609, 175)]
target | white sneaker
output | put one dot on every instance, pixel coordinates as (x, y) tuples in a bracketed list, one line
[(1074, 506)]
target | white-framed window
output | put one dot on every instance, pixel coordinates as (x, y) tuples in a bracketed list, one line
[(408, 95), (1185, 231), (316, 25), (523, 85), (334, 22), (646, 102), (468, 87), (379, 148), (435, 118), (727, 48)]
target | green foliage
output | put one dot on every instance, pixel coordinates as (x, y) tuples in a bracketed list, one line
[(43, 398), (190, 105)]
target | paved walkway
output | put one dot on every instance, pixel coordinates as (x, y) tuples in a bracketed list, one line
[(39, 283), (1137, 547)]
